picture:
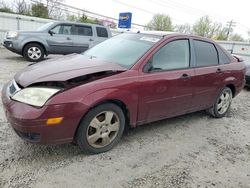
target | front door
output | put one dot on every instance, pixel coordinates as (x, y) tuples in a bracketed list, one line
[(60, 39), (165, 89)]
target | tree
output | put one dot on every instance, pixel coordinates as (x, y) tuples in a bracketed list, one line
[(236, 37), (39, 10), (202, 27), (85, 19), (160, 22), (207, 28), (183, 28), (5, 7), (72, 18), (221, 34), (54, 8), (21, 7)]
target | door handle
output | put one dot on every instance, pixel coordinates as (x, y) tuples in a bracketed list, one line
[(68, 38), (91, 39), (185, 76), (219, 70)]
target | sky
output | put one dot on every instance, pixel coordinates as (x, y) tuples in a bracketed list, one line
[(181, 11)]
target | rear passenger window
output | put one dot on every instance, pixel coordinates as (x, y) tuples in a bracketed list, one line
[(205, 53), (223, 59), (83, 30), (102, 32)]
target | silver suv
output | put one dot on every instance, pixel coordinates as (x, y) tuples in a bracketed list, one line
[(55, 38)]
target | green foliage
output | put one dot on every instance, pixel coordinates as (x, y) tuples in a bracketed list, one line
[(85, 19), (236, 37), (183, 28), (221, 34), (202, 27), (160, 22), (39, 10), (206, 28), (6, 9), (72, 18)]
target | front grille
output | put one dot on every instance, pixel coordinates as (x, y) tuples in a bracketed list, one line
[(7, 43), (33, 137)]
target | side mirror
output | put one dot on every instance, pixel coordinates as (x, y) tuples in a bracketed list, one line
[(51, 32), (238, 58), (148, 67)]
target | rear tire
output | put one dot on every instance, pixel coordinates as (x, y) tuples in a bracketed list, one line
[(101, 128), (222, 103), (33, 52)]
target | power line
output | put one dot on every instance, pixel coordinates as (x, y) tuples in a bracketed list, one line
[(172, 4), (143, 10), (85, 12)]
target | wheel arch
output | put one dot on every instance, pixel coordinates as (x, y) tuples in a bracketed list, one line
[(117, 102), (36, 42), (232, 87)]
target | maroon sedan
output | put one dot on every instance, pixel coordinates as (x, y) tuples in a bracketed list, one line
[(128, 80)]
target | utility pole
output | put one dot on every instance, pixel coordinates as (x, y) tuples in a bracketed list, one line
[(230, 25)]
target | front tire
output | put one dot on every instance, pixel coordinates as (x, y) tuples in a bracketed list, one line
[(222, 104), (33, 52), (101, 128)]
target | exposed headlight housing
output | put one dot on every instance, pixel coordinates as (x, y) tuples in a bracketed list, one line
[(35, 96), (12, 34)]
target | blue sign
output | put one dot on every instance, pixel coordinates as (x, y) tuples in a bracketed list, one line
[(125, 19)]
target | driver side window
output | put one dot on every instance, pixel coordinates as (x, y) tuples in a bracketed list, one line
[(62, 29), (174, 55)]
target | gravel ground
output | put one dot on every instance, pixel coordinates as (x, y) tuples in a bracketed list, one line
[(194, 150)]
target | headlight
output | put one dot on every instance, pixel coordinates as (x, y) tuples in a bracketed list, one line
[(12, 34), (35, 96)]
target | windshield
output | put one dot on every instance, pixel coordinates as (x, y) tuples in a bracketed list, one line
[(124, 49), (45, 26)]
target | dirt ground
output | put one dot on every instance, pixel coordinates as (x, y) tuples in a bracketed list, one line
[(194, 150)]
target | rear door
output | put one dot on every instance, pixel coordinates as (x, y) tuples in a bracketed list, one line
[(60, 41), (83, 37), (208, 74)]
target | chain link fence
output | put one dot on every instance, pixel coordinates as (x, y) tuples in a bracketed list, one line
[(15, 22)]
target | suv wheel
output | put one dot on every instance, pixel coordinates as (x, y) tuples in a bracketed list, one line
[(101, 128), (33, 52), (222, 104)]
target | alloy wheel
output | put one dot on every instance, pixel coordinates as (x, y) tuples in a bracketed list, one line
[(103, 129), (224, 102), (34, 53)]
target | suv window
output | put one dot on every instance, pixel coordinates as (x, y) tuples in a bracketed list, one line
[(101, 32), (205, 53), (62, 29), (83, 30), (222, 56), (174, 55)]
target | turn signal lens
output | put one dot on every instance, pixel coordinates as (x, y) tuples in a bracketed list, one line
[(53, 121)]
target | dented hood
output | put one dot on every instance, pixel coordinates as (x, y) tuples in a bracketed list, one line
[(63, 69)]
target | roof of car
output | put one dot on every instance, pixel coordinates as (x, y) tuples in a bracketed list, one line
[(69, 22), (159, 33)]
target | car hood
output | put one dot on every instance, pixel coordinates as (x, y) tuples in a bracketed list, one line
[(30, 32), (63, 69)]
